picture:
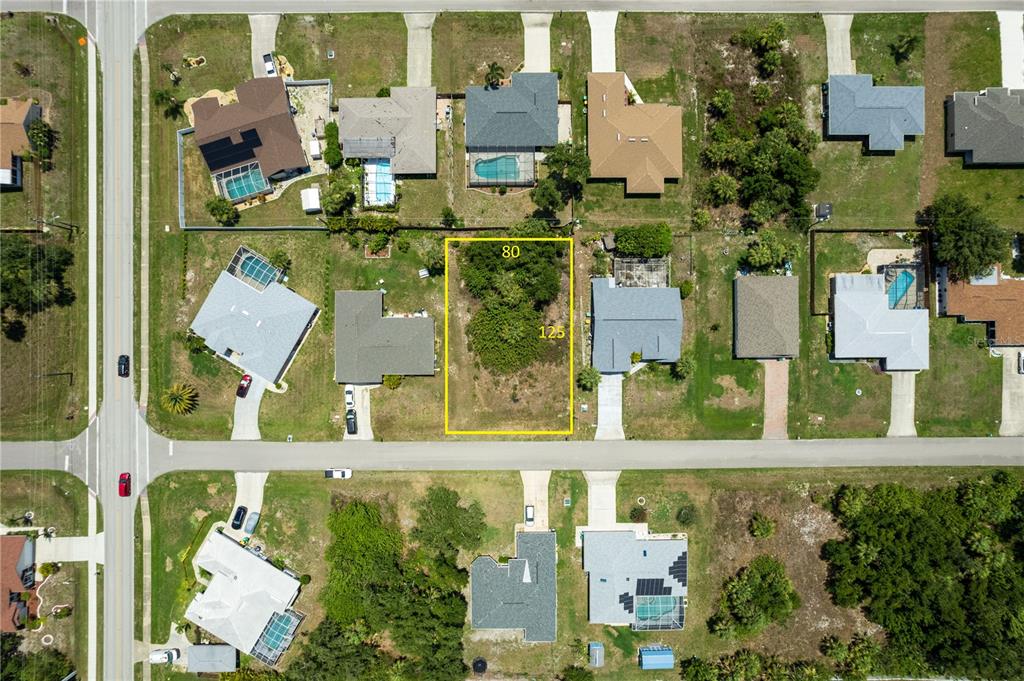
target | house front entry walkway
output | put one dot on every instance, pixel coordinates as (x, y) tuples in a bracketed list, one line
[(419, 49), (901, 420), (602, 41), (776, 399), (537, 42)]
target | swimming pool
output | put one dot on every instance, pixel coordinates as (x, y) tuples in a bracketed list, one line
[(258, 269), (378, 182), (898, 289), (242, 182), (498, 169)]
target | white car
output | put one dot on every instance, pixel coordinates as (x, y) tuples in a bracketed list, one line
[(164, 656), (268, 62), (529, 516), (338, 473), (350, 397)]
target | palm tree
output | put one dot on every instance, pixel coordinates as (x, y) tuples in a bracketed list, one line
[(172, 107), (180, 399), (174, 75), (494, 74)]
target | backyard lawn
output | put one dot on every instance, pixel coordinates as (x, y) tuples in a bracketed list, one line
[(845, 253), (44, 395), (369, 50), (466, 42)]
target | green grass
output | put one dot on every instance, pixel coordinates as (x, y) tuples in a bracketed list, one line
[(974, 43), (837, 253), (45, 375), (369, 50), (182, 507), (466, 42), (999, 191), (871, 36), (961, 393), (570, 58), (57, 499)]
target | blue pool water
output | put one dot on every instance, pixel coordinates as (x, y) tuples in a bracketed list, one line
[(899, 288), (378, 182), (247, 184), (498, 168), (257, 269)]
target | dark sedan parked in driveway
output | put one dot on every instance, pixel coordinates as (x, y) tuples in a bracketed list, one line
[(236, 521)]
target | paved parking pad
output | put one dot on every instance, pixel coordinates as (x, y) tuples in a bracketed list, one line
[(535, 493), (609, 408), (901, 420), (1013, 394), (246, 425)]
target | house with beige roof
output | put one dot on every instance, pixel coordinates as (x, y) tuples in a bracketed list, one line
[(766, 317), (400, 127), (642, 143), (16, 115)]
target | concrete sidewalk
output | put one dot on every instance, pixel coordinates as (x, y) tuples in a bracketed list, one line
[(537, 42), (419, 49)]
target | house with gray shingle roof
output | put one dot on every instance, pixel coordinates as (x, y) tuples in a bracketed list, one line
[(635, 581), (864, 326), (401, 127), (519, 594), (628, 320), (883, 115), (986, 127), (766, 317), (368, 345)]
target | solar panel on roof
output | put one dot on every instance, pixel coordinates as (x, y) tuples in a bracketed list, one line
[(652, 587), (678, 569), (626, 600)]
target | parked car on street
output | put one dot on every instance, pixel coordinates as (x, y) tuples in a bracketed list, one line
[(338, 473), (529, 516), (124, 485), (243, 386), (252, 522), (123, 366), (350, 422), (350, 397), (236, 521), (268, 63), (164, 656)]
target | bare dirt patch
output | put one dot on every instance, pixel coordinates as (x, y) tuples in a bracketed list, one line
[(938, 76), (734, 398)]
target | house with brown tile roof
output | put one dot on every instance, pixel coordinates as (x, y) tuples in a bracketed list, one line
[(16, 115), (994, 300), (17, 577), (642, 143), (256, 132)]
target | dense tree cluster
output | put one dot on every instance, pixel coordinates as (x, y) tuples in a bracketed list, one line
[(645, 241), (768, 253), (223, 211), (942, 570), (15, 665), (851, 661), (332, 146), (377, 583), (32, 279), (968, 242), (753, 598)]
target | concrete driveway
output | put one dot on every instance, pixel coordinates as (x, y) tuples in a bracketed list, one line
[(601, 499), (1011, 43), (837, 40), (776, 399), (248, 493), (419, 49), (246, 425), (262, 40), (901, 419), (364, 428), (609, 408), (537, 42), (535, 493), (1013, 394), (602, 41)]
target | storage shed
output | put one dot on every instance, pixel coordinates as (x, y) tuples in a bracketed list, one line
[(310, 199), (596, 654), (656, 657)]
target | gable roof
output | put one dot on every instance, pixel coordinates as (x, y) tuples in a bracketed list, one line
[(523, 114), (642, 143), (519, 594), (14, 130), (17, 560), (244, 593), (997, 300), (621, 566), (258, 331), (865, 327), (883, 114), (986, 127), (628, 320), (368, 345), (766, 316), (400, 127), (258, 126)]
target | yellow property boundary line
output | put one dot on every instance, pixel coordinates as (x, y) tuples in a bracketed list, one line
[(571, 324)]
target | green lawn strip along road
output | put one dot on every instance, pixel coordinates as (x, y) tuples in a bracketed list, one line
[(35, 405), (570, 59), (56, 499), (369, 50), (183, 507)]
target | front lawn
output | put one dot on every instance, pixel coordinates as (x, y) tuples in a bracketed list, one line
[(466, 42), (56, 499), (873, 39), (570, 59)]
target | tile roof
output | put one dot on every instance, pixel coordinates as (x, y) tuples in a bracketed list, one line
[(368, 345), (883, 114), (628, 320), (258, 331), (865, 327), (402, 125), (522, 115), (986, 127), (999, 303), (258, 126), (766, 315), (13, 129), (519, 594), (17, 558), (642, 143)]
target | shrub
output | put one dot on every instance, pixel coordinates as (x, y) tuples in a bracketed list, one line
[(753, 598), (223, 211), (42, 137), (378, 242), (722, 189), (635, 357), (337, 198), (569, 167), (384, 92), (686, 289), (761, 93), (305, 579), (332, 147), (392, 381), (546, 197), (647, 241), (281, 260), (638, 514), (721, 103), (700, 219), (47, 569), (761, 526), (449, 219), (576, 673), (180, 399), (683, 367), (588, 378), (687, 513), (768, 252)]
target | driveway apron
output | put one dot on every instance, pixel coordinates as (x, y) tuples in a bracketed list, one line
[(248, 493), (901, 420), (247, 412), (776, 400), (537, 42), (535, 493), (262, 40), (364, 428), (609, 408), (602, 41), (419, 49), (837, 41), (601, 499), (1013, 395)]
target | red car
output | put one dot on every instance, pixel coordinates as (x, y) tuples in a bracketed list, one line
[(243, 386), (124, 485)]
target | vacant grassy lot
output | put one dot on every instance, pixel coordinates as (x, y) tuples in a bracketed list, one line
[(369, 50), (873, 38), (45, 374), (960, 367), (723, 397), (56, 499), (183, 507), (466, 42)]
